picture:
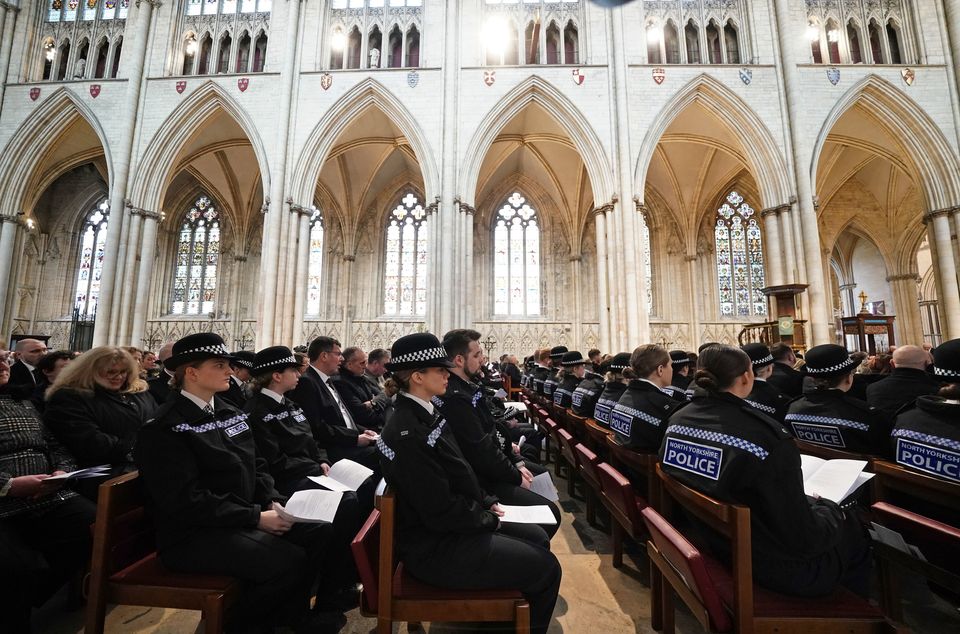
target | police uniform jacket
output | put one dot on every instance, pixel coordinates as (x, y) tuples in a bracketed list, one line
[(608, 399), (680, 381), (584, 399), (786, 379), (438, 494), (100, 426), (834, 419), (769, 400), (475, 431), (679, 394), (721, 446), (284, 440), (539, 376), (927, 438), (900, 388), (550, 382), (639, 418), (563, 395), (201, 470)]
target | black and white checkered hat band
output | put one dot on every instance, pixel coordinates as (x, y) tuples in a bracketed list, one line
[(430, 354), (243, 362), (577, 362), (764, 361), (849, 363), (617, 368), (680, 361), (276, 362), (219, 349), (946, 373)]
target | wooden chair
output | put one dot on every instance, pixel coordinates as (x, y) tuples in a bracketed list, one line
[(828, 453), (576, 425), (725, 598), (590, 475), (391, 594), (596, 437), (939, 542), (624, 505), (125, 568), (914, 491), (513, 392), (639, 463), (569, 457), (550, 429)]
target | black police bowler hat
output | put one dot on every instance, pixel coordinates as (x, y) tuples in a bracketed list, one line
[(197, 347), (572, 358), (418, 350), (274, 359), (828, 359), (759, 354), (946, 361), (557, 352), (620, 362), (245, 358), (679, 358)]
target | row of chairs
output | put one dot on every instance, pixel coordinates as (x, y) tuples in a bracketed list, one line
[(726, 599)]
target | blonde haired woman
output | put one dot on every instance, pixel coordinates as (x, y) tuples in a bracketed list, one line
[(96, 407)]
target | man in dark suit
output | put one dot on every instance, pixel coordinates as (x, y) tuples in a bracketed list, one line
[(367, 406), (508, 367), (159, 386), (908, 380), (333, 425), (376, 368), (24, 373), (784, 377)]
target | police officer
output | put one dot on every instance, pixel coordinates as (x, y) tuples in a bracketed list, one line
[(682, 376), (489, 454), (584, 399), (927, 437), (613, 388), (213, 498), (828, 416), (541, 370), (764, 396), (574, 369), (242, 364), (552, 380), (639, 418), (731, 451), (449, 532)]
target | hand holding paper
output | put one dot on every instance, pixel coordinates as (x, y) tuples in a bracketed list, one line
[(345, 475), (312, 506)]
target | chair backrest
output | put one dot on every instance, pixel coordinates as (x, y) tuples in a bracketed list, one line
[(566, 446), (506, 384), (937, 541), (641, 463), (732, 521), (685, 559), (588, 463), (618, 490), (123, 533), (827, 453), (386, 564), (904, 487), (366, 555)]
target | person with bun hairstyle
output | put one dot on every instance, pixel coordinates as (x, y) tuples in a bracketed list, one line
[(614, 385), (639, 418), (827, 415), (764, 396), (574, 366), (449, 532), (723, 447), (555, 374), (584, 398)]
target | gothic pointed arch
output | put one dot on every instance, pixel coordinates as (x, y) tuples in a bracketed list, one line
[(368, 93), (760, 151)]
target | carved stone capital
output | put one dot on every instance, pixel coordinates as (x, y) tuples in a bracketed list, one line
[(936, 213), (774, 211), (5, 218), (576, 258), (690, 258), (349, 258), (901, 277), (607, 207), (239, 258), (432, 207)]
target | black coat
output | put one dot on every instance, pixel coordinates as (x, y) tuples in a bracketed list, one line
[(475, 431), (539, 376), (201, 470), (607, 401), (563, 395), (513, 372), (98, 427), (769, 400), (159, 387), (679, 394), (786, 379), (639, 419), (900, 388), (584, 399), (835, 419), (550, 382), (438, 494), (236, 394), (355, 391), (681, 381), (323, 413), (926, 438), (21, 375), (284, 440), (723, 447)]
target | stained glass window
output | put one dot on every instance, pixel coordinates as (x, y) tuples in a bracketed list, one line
[(93, 239), (227, 7), (739, 259), (315, 265), (516, 259), (198, 254), (405, 274)]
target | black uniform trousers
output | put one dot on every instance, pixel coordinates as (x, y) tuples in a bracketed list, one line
[(278, 572), (39, 551), (518, 496), (499, 560)]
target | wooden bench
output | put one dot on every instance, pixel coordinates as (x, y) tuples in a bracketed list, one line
[(596, 437), (725, 598), (391, 594), (914, 491), (624, 506), (590, 475), (640, 463), (569, 457), (126, 570)]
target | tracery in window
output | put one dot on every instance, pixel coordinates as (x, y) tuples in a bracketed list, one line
[(858, 32), (374, 33), (93, 240), (529, 32), (405, 270), (516, 260), (197, 259), (315, 263), (739, 247)]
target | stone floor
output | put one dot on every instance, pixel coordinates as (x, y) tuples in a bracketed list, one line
[(593, 597)]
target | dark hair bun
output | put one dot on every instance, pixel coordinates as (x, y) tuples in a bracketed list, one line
[(707, 380)]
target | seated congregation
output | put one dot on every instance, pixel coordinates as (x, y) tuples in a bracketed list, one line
[(214, 445)]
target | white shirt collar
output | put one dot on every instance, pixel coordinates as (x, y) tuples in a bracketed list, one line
[(757, 378), (427, 405), (199, 402), (323, 377), (277, 397), (236, 380), (652, 383), (27, 365)]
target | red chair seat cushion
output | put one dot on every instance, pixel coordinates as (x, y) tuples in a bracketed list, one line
[(150, 572), (406, 587), (842, 604)]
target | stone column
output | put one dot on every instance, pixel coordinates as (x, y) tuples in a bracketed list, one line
[(774, 246), (847, 305), (469, 307), (136, 48), (950, 27), (695, 290), (8, 236), (8, 21), (290, 275), (303, 271), (148, 252), (575, 263), (947, 269), (273, 223), (446, 218), (347, 318), (603, 298), (788, 234), (122, 333), (905, 304)]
